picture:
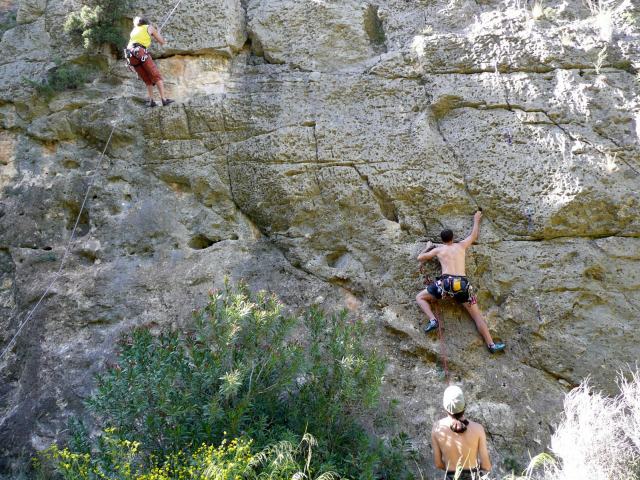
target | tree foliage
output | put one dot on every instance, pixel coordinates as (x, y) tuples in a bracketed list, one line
[(98, 23), (249, 371), (64, 76)]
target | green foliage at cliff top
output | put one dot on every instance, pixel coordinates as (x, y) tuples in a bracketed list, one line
[(98, 23)]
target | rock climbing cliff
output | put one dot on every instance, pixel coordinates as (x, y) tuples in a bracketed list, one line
[(312, 145)]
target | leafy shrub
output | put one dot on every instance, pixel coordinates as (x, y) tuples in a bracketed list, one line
[(98, 23), (64, 76), (119, 459), (246, 370)]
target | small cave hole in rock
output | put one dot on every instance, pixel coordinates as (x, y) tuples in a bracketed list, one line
[(70, 163), (73, 209), (88, 256), (334, 257), (389, 211), (375, 30), (200, 242)]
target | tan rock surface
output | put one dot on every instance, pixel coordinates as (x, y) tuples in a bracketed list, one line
[(310, 161)]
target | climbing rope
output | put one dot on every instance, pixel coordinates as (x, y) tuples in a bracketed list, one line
[(70, 244), (443, 346), (440, 319), (164, 22)]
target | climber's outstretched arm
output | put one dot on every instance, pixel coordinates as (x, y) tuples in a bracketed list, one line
[(156, 34), (473, 236), (430, 251)]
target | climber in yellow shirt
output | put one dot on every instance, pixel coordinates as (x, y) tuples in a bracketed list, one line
[(140, 59)]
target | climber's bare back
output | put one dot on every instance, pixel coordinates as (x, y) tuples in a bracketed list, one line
[(451, 258), (466, 449)]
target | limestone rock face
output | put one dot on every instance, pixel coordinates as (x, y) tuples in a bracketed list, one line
[(313, 145), (313, 35), (29, 11), (198, 27)]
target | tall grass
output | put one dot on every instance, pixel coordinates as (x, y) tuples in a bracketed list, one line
[(598, 437)]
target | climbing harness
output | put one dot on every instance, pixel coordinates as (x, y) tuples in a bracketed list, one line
[(135, 56), (457, 287), (70, 244)]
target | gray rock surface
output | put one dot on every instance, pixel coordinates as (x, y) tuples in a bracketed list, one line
[(314, 143), (198, 27)]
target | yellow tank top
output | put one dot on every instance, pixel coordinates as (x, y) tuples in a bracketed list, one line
[(140, 35)]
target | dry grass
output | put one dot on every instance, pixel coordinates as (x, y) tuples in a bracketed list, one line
[(598, 438)]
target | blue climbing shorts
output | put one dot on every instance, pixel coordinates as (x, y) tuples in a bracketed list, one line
[(455, 286)]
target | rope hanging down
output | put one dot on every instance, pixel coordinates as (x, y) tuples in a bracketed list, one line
[(440, 319), (164, 22), (443, 346), (73, 232), (66, 251)]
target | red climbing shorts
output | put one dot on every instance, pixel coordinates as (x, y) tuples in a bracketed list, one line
[(148, 72)]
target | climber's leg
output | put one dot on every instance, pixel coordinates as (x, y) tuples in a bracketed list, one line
[(154, 74), (482, 327), (144, 76), (423, 299), (165, 101), (150, 92), (160, 85)]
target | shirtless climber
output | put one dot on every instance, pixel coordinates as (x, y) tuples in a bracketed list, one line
[(140, 59), (453, 281), (459, 446)]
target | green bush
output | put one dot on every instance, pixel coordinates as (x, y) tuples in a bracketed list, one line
[(98, 23), (64, 76), (234, 460), (247, 370)]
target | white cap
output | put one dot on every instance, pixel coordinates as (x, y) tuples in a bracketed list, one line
[(453, 400)]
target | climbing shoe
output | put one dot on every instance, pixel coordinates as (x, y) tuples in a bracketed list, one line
[(496, 347), (166, 101), (150, 103), (432, 325)]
